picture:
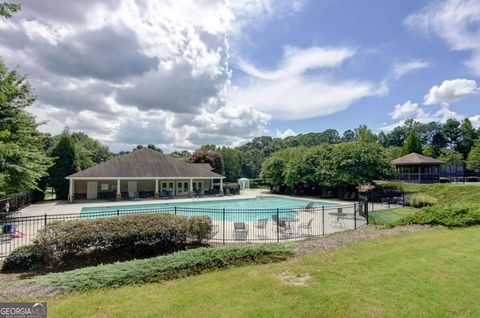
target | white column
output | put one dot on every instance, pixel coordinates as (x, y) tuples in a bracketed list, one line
[(119, 192), (190, 188), (221, 186), (211, 184), (156, 194), (70, 191)]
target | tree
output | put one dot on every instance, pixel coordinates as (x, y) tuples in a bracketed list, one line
[(473, 161), (232, 162), (450, 156), (364, 134), (412, 144), (8, 8), (89, 151), (468, 135), (22, 157), (348, 135), (214, 158), (65, 156), (180, 154), (149, 146), (451, 131)]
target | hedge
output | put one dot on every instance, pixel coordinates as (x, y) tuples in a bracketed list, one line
[(450, 215), (177, 265), (24, 258), (420, 200), (199, 228), (61, 239)]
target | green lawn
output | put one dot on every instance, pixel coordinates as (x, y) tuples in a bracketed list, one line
[(432, 273), (383, 217)]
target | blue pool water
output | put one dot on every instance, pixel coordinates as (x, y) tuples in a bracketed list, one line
[(235, 209)]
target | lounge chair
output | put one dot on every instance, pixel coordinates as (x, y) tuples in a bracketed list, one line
[(10, 231), (261, 225), (310, 205), (305, 227), (240, 232)]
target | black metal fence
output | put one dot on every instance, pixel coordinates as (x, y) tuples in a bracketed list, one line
[(230, 226), (15, 201)]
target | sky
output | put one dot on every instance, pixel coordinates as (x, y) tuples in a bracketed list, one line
[(179, 74)]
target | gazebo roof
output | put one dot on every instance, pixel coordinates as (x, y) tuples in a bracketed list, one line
[(414, 159)]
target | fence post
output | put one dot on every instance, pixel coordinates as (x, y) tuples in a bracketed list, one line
[(278, 225), (175, 209), (118, 212), (355, 216), (45, 219), (323, 220), (223, 226), (366, 211)]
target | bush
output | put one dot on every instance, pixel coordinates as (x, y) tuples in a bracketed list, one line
[(199, 228), (61, 239), (444, 180), (24, 258), (420, 200), (451, 215), (180, 264)]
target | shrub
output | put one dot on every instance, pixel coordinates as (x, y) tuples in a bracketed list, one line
[(60, 239), (420, 200), (451, 215), (24, 258), (444, 180), (199, 228), (180, 264)]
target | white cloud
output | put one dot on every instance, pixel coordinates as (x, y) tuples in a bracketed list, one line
[(289, 93), (407, 110), (400, 69), (451, 91), (457, 22), (130, 72), (284, 134)]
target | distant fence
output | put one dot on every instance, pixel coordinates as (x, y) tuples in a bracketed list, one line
[(230, 226), (15, 201)]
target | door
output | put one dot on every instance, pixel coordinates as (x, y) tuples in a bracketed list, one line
[(92, 190), (182, 188), (132, 188)]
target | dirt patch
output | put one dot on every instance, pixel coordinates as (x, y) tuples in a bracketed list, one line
[(29, 292), (340, 239), (294, 279)]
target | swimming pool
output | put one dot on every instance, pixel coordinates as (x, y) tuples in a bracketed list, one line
[(235, 209)]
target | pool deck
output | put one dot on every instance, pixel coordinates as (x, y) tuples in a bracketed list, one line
[(63, 207)]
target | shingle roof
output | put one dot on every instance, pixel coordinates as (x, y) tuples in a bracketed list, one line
[(146, 162), (413, 159)]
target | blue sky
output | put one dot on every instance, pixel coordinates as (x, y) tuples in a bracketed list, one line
[(182, 74)]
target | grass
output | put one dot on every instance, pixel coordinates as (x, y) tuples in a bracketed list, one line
[(384, 217), (431, 273)]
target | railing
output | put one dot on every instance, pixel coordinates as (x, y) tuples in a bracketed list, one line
[(230, 226)]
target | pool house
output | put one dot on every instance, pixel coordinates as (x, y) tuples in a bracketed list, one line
[(144, 173)]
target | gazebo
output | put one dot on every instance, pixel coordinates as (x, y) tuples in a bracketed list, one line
[(244, 183), (415, 168)]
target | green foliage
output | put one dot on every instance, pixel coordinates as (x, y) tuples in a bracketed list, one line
[(24, 258), (232, 159), (8, 8), (450, 156), (89, 151), (473, 160), (177, 265), (60, 239), (412, 144), (22, 158), (420, 200), (451, 215), (212, 157), (64, 165), (467, 138), (364, 134), (344, 164), (199, 228)]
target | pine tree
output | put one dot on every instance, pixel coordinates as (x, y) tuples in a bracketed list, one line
[(412, 144), (64, 165), (473, 161)]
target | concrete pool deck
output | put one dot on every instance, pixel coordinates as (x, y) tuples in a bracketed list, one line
[(63, 207)]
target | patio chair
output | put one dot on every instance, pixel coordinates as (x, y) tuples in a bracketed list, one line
[(240, 232), (305, 227), (213, 231), (10, 231), (310, 205), (201, 193), (261, 226)]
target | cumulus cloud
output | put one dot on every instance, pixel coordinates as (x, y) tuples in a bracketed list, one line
[(407, 110), (451, 91), (286, 133), (131, 72), (457, 22)]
